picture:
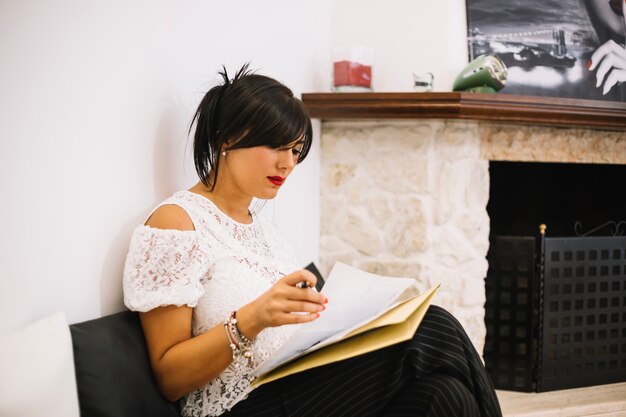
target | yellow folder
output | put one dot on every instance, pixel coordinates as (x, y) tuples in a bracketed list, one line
[(397, 325)]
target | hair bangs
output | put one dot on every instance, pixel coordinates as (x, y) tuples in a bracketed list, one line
[(278, 125)]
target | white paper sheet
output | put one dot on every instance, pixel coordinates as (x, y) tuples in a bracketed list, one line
[(354, 298)]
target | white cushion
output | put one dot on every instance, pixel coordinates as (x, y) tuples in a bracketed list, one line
[(37, 370)]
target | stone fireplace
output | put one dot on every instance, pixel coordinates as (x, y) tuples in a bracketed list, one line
[(409, 197)]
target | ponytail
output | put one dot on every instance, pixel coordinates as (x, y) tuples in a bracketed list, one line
[(207, 142)]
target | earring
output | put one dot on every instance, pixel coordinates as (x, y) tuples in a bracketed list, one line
[(223, 153)]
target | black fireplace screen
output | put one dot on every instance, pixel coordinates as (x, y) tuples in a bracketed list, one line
[(556, 312)]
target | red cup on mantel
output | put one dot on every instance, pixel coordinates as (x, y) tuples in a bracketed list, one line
[(349, 73), (352, 68)]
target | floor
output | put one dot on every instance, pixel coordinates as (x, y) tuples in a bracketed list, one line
[(597, 401)]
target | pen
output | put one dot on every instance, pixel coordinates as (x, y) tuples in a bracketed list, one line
[(301, 284)]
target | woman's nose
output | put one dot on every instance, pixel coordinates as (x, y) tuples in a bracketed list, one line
[(287, 159)]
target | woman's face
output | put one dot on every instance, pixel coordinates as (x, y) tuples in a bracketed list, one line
[(259, 171)]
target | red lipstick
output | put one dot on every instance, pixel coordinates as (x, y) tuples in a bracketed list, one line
[(276, 180)]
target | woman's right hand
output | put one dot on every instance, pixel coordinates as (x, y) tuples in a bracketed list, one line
[(284, 303)]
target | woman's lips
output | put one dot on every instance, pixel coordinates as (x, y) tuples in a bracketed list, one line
[(276, 180)]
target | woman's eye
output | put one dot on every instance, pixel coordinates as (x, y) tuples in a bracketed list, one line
[(294, 151)]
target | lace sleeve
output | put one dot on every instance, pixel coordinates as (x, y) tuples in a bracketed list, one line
[(163, 267)]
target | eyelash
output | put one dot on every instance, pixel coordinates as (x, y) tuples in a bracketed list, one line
[(295, 151)]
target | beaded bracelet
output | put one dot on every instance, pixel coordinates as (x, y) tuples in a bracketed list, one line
[(238, 342)]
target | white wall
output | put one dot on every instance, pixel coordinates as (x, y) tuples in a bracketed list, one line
[(95, 100), (96, 97)]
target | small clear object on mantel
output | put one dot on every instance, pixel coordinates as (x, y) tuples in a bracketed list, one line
[(352, 68), (423, 83)]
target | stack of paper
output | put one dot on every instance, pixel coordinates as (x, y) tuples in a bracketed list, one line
[(365, 312)]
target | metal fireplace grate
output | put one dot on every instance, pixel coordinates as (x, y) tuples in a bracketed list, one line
[(556, 312), (584, 312), (510, 312)]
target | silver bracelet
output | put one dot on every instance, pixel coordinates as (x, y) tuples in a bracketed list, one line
[(238, 342)]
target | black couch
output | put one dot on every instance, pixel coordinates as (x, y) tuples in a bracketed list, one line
[(113, 372)]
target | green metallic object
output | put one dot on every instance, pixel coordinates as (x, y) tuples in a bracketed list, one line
[(485, 74)]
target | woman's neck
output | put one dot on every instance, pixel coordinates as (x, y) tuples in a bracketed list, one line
[(230, 203)]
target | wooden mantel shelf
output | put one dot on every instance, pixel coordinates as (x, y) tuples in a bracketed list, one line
[(508, 108)]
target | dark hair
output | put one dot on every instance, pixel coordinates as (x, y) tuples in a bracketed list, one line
[(249, 110)]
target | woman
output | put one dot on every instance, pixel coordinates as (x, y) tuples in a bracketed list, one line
[(216, 286)]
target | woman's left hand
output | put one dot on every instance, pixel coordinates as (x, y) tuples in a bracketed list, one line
[(609, 59)]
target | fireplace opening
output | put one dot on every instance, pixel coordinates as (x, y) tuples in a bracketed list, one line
[(556, 299), (524, 195)]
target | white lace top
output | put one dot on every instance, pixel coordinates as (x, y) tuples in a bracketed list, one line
[(219, 267)]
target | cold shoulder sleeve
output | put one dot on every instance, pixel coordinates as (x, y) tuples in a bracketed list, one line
[(164, 267)]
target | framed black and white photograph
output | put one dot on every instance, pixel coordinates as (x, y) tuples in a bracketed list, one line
[(564, 48)]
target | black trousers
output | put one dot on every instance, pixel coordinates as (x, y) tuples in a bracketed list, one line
[(437, 373)]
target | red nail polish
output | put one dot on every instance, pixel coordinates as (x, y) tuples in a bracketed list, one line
[(589, 62), (326, 299), (323, 308)]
